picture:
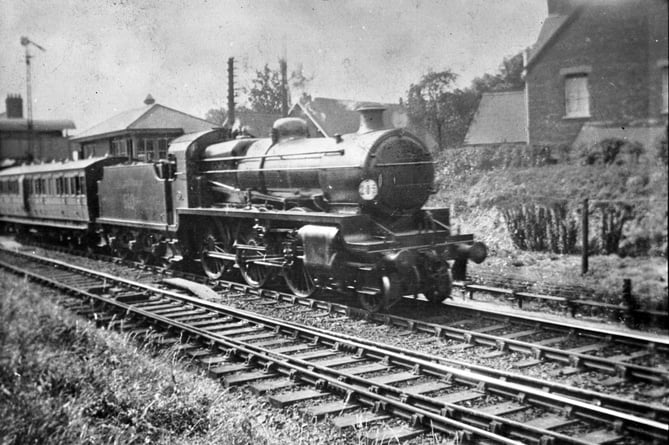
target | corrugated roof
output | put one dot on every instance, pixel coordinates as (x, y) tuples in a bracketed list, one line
[(38, 124), (500, 117), (154, 116)]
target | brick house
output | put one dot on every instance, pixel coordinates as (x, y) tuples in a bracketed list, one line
[(140, 133), (24, 141), (597, 70)]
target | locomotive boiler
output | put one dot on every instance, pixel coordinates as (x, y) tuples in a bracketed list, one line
[(339, 213)]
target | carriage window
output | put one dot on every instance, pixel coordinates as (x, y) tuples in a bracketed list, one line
[(42, 186), (79, 185), (59, 186), (2, 187), (66, 186)]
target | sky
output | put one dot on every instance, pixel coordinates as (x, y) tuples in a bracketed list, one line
[(104, 56)]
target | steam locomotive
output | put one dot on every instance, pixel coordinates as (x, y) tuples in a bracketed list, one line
[(343, 213)]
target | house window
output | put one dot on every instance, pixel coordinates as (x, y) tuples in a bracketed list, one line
[(577, 97), (120, 147), (149, 149), (162, 147)]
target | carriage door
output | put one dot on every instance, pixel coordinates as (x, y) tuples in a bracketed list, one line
[(25, 186)]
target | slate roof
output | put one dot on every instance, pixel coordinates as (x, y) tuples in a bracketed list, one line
[(551, 28), (257, 125), (148, 117), (500, 117), (333, 116)]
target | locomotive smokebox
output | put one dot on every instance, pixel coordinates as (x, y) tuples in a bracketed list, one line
[(371, 117)]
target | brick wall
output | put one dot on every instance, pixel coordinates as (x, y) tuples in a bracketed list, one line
[(612, 40)]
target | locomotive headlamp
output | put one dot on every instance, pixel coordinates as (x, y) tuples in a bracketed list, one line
[(368, 189)]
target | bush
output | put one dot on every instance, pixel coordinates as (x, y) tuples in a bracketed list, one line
[(610, 151), (542, 227)]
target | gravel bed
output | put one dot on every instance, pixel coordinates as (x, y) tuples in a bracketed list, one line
[(391, 335)]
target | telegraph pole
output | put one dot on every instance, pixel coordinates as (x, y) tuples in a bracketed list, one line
[(283, 65), (231, 92), (26, 42)]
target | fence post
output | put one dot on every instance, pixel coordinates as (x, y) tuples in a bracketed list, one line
[(584, 237), (631, 320)]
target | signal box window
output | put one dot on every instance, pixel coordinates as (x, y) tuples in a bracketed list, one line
[(577, 97)]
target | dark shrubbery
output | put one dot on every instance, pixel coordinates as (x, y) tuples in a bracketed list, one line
[(542, 227), (502, 156), (556, 227), (612, 150), (625, 183)]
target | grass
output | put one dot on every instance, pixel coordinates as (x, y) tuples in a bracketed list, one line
[(64, 381), (476, 182), (604, 278)]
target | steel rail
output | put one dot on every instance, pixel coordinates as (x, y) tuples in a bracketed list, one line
[(621, 369), (268, 361), (575, 407), (655, 412), (572, 303), (586, 361)]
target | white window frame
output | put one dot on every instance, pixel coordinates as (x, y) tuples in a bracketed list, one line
[(576, 96)]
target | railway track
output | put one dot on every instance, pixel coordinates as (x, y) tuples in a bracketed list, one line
[(572, 300), (613, 356), (356, 381)]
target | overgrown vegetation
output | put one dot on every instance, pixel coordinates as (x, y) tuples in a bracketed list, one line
[(62, 381), (538, 194)]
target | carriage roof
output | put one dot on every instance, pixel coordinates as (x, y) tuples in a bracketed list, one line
[(54, 167)]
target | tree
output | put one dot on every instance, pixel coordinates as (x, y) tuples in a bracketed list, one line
[(445, 111), (509, 77), (265, 93), (435, 105), (216, 115)]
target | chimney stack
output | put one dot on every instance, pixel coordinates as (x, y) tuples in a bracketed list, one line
[(14, 106), (371, 117), (559, 7)]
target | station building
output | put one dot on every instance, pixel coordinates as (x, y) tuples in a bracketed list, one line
[(142, 133)]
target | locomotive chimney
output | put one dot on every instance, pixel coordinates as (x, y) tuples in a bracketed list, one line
[(371, 117)]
